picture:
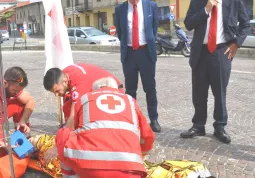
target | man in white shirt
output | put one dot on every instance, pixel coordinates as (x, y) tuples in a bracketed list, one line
[(136, 25), (216, 39)]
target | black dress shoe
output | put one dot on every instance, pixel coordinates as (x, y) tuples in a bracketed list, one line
[(155, 126), (221, 134), (192, 132)]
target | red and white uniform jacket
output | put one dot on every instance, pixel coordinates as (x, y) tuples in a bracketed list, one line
[(84, 75), (112, 134), (81, 78)]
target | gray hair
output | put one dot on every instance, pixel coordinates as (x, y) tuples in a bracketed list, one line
[(105, 82)]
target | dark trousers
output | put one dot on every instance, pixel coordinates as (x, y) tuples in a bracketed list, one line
[(213, 70), (138, 61)]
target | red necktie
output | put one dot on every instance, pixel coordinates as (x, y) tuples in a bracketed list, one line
[(212, 37), (135, 30)]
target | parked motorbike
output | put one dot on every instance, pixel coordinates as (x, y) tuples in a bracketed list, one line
[(165, 42)]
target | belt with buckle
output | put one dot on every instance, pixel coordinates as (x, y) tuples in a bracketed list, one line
[(140, 47), (143, 46), (217, 46)]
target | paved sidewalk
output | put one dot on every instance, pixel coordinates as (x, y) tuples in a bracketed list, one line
[(236, 160)]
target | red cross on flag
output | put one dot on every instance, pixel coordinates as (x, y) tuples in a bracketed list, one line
[(57, 46)]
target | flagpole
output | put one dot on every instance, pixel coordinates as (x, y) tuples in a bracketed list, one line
[(5, 126), (57, 46)]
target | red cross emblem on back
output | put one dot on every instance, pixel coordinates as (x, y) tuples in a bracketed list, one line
[(111, 102)]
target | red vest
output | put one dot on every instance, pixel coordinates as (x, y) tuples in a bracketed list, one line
[(108, 136)]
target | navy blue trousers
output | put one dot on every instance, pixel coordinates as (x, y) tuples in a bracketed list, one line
[(138, 61), (212, 71)]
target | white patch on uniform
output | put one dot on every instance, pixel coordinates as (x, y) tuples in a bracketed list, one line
[(75, 95), (110, 103)]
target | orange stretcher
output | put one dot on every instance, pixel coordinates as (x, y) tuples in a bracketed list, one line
[(20, 165)]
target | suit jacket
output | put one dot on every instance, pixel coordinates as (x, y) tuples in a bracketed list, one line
[(196, 19), (150, 13)]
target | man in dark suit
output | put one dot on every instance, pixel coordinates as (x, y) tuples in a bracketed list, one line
[(217, 37), (136, 25)]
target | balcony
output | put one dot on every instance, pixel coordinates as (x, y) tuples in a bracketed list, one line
[(89, 5), (103, 3), (31, 18), (83, 7)]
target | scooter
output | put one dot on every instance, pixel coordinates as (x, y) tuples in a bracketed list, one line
[(166, 43)]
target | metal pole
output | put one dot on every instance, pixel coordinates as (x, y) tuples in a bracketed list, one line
[(6, 128), (170, 20), (98, 20), (40, 17), (14, 37), (25, 41), (73, 12), (16, 27)]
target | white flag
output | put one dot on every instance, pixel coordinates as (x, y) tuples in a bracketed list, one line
[(33, 1), (57, 46)]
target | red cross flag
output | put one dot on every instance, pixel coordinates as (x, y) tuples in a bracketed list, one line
[(57, 46)]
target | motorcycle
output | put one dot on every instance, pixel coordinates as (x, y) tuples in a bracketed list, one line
[(165, 42)]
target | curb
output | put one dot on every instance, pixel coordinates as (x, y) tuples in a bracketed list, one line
[(242, 52), (246, 52), (101, 48)]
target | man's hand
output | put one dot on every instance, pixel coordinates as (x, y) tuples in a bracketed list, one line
[(210, 5), (50, 154), (5, 145), (2, 144), (23, 125), (231, 51)]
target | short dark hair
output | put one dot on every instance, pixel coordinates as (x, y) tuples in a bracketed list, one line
[(51, 78), (16, 75)]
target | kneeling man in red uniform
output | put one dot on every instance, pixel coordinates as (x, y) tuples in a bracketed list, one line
[(20, 104), (112, 137), (71, 83)]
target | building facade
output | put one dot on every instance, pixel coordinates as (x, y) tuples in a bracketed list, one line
[(7, 3), (96, 13), (7, 14), (100, 13), (7, 18), (32, 15)]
